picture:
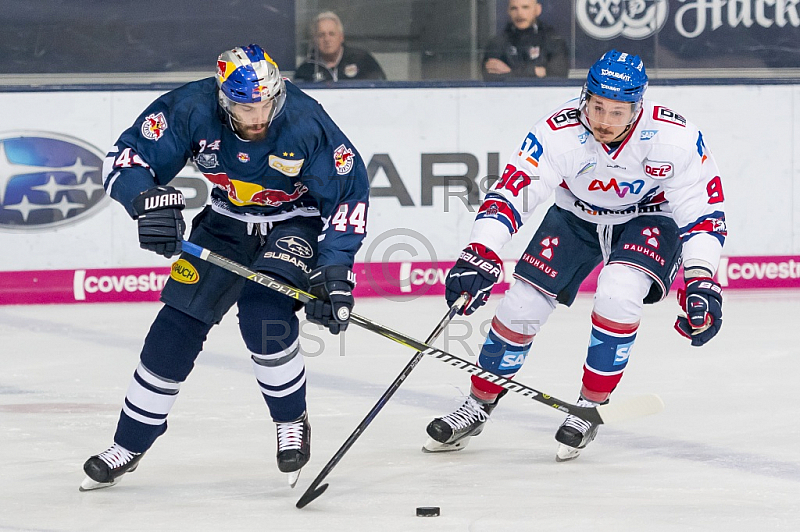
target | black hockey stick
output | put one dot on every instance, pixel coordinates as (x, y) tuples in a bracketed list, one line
[(633, 407), (313, 491)]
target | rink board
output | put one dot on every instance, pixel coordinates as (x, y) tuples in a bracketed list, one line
[(389, 280)]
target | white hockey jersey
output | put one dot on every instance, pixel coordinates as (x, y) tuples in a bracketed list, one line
[(663, 167)]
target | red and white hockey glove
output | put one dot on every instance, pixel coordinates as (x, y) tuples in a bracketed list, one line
[(475, 272), (702, 302)]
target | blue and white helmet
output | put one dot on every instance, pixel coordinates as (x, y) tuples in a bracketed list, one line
[(617, 76), (248, 75)]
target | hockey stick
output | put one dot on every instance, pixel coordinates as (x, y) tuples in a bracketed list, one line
[(313, 491), (630, 408)]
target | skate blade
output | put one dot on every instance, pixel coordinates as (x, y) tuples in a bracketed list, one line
[(89, 485), (433, 446), (565, 453), (292, 477)]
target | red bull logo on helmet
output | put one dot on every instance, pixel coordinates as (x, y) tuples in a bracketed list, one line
[(343, 159), (242, 193)]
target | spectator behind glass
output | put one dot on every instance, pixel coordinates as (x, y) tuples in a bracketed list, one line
[(527, 48), (331, 60)]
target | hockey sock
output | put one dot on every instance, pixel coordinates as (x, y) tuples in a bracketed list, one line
[(167, 358), (503, 353), (609, 348), (270, 330)]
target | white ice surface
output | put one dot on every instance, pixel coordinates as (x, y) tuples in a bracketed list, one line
[(723, 456)]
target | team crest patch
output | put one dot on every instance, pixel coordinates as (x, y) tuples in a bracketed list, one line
[(206, 160), (343, 159), (154, 126), (534, 53), (183, 272), (243, 157), (290, 167), (351, 71)]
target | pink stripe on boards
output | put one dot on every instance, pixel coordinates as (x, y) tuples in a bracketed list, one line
[(377, 279)]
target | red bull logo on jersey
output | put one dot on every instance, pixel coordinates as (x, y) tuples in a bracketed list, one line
[(243, 193), (154, 126), (343, 159)]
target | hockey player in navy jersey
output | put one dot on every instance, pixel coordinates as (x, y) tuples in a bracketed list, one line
[(635, 188), (289, 198)]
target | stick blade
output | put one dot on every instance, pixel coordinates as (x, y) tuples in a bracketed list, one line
[(310, 496), (631, 408)]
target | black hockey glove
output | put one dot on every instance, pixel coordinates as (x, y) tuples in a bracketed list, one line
[(702, 302), (161, 225), (475, 272), (333, 287)]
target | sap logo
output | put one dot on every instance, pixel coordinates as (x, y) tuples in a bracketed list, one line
[(658, 169), (620, 188), (648, 134), (296, 246), (48, 180), (623, 353), (512, 361)]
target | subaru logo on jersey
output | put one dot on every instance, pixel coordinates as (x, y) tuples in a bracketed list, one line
[(47, 180), (154, 126), (296, 246), (343, 159)]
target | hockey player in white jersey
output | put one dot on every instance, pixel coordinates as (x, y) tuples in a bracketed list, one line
[(636, 188)]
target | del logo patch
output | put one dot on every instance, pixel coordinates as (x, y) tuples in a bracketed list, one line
[(288, 167), (343, 159), (154, 126), (183, 272)]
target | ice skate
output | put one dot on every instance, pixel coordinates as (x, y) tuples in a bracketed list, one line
[(574, 434), (106, 469), (294, 447), (453, 431)]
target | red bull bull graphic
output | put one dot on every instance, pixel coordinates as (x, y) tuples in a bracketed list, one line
[(343, 159), (243, 193), (154, 126)]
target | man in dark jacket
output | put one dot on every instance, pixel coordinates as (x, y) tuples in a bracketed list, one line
[(527, 48), (331, 60)]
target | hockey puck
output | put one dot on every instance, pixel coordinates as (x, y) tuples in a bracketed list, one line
[(428, 511)]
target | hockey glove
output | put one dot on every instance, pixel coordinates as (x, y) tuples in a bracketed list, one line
[(702, 302), (161, 225), (333, 287), (475, 272)]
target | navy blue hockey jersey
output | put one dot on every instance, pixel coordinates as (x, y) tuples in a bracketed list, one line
[(304, 167)]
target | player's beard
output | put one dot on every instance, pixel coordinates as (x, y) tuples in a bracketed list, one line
[(252, 132)]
